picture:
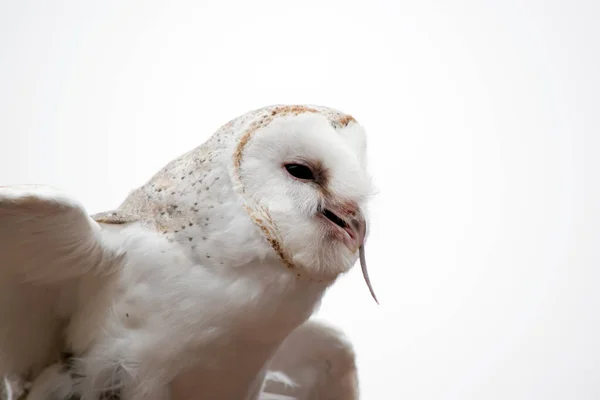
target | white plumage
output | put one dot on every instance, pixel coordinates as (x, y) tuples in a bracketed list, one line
[(193, 284)]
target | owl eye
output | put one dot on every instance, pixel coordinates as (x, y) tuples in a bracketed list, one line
[(300, 171)]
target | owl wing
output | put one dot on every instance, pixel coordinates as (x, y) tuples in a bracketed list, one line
[(315, 362), (47, 242)]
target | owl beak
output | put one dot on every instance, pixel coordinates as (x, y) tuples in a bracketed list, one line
[(353, 223), (356, 228)]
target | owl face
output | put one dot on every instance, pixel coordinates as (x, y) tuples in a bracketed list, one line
[(308, 176)]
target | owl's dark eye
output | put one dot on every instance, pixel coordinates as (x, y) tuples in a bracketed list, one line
[(300, 171)]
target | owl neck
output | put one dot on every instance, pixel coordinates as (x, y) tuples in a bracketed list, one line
[(272, 301)]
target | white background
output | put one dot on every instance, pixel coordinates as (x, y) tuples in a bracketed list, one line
[(484, 135)]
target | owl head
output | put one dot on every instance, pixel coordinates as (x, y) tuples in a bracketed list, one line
[(301, 171)]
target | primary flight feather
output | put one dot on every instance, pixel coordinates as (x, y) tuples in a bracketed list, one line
[(192, 285)]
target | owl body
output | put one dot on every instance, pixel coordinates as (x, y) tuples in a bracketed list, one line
[(194, 282), (157, 332)]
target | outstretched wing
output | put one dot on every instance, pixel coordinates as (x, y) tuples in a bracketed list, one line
[(315, 362), (47, 242)]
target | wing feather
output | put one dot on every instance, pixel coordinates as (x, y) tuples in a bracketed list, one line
[(47, 241), (47, 237), (319, 362)]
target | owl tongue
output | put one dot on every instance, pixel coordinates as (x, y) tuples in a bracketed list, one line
[(363, 267)]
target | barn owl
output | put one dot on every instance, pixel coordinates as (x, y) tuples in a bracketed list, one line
[(192, 285)]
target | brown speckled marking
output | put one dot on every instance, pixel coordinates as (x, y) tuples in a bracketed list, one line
[(115, 217), (270, 233), (293, 109), (345, 120)]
